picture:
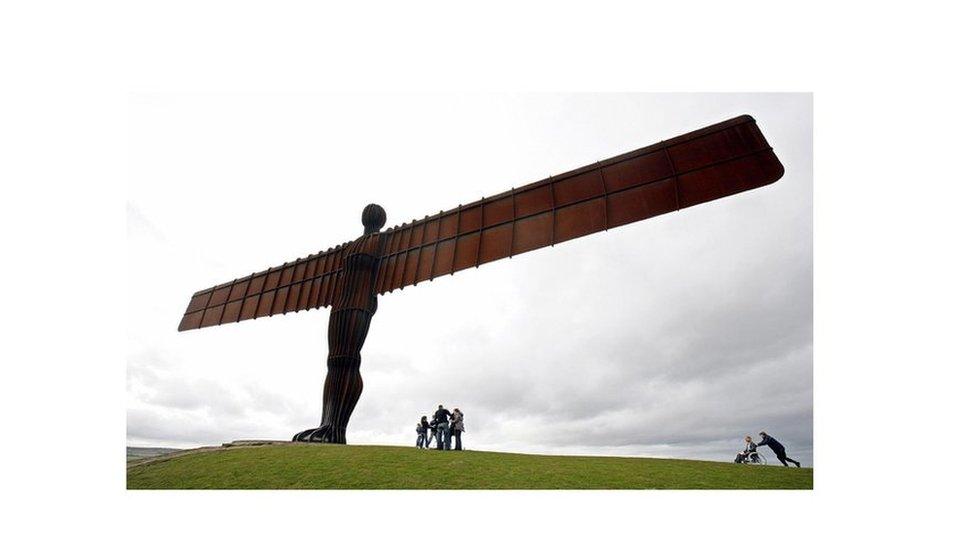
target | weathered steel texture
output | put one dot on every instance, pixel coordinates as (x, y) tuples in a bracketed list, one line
[(302, 284), (710, 163), (354, 307)]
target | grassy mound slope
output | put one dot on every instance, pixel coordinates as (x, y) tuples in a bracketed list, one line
[(365, 467)]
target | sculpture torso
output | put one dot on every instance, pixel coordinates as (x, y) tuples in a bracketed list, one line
[(359, 268)]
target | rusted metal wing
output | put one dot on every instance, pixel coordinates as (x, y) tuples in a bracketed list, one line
[(704, 165), (306, 283)]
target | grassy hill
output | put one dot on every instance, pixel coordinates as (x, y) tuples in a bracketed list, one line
[(297, 465)]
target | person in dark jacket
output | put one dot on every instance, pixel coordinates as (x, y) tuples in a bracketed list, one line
[(777, 449), (442, 427), (427, 431)]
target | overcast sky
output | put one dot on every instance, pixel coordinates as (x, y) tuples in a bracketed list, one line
[(674, 336)]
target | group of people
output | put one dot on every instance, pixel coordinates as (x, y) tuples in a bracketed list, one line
[(442, 427), (776, 446)]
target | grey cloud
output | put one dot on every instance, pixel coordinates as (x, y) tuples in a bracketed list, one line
[(671, 337)]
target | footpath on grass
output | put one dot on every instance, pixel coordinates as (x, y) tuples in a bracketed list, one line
[(296, 465)]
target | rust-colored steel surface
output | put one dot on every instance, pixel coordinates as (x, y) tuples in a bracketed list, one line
[(704, 165)]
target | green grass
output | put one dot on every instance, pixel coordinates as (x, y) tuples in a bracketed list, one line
[(289, 466)]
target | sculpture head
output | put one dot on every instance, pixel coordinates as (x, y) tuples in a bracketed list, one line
[(374, 217)]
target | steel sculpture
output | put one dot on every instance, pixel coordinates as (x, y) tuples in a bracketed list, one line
[(704, 165)]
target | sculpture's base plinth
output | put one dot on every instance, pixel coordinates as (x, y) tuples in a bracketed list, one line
[(254, 443)]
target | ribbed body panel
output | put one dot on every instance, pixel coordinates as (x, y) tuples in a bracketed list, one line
[(349, 322)]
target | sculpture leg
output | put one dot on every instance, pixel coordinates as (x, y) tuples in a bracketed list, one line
[(343, 383)]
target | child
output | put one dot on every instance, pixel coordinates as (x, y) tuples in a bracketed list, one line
[(421, 436), (750, 449)]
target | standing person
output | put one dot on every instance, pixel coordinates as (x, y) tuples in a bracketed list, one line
[(442, 426), (457, 427), (448, 431), (777, 449), (426, 425), (750, 448), (421, 436)]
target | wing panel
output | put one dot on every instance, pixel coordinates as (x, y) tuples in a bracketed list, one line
[(287, 288)]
